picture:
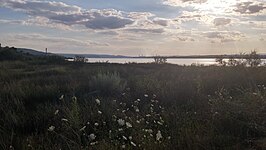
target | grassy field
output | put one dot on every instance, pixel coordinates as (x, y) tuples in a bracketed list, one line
[(47, 103)]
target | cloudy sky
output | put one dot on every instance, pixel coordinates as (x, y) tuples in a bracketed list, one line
[(135, 27)]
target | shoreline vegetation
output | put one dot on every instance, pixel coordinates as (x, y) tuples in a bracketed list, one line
[(49, 103)]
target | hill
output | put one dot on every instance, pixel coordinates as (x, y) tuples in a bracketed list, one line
[(93, 55)]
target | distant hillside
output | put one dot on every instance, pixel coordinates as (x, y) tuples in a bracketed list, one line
[(32, 52), (12, 53), (93, 55)]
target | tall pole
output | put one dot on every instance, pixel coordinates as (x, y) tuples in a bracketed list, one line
[(46, 50)]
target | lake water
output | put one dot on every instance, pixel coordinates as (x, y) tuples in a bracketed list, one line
[(178, 61), (149, 60)]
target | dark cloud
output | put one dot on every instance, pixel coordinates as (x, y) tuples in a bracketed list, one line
[(249, 8), (108, 22)]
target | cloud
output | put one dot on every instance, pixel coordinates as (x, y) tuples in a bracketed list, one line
[(43, 8), (107, 21), (223, 36), (58, 12), (54, 40), (186, 16), (185, 39), (182, 2), (221, 21), (249, 7), (162, 21), (147, 30)]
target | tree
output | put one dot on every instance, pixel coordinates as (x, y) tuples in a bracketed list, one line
[(253, 59), (220, 61), (160, 60), (80, 59)]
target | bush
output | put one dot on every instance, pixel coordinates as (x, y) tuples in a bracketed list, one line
[(107, 83)]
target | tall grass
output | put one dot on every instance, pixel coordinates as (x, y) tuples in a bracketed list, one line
[(53, 106)]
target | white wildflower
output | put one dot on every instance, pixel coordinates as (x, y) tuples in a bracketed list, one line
[(93, 143), (56, 112), (99, 112), (96, 124), (92, 136), (137, 110), (130, 137), (129, 125), (148, 115), (82, 129), (74, 98), (123, 146), (121, 122), (98, 101), (132, 143), (125, 138), (160, 123), (62, 97), (138, 100), (64, 119), (146, 95), (149, 130), (138, 121), (51, 128), (159, 136)]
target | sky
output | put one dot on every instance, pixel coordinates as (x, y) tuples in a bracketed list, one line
[(135, 27)]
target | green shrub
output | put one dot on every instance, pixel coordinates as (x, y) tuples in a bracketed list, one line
[(107, 83)]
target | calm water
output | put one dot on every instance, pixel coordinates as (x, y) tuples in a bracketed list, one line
[(178, 61), (149, 60)]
